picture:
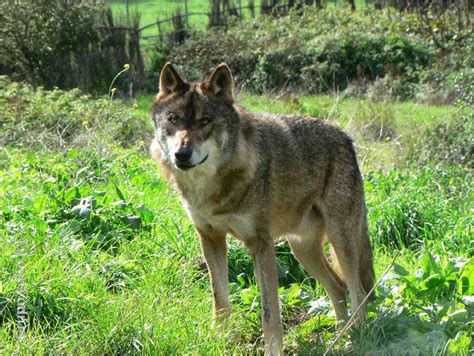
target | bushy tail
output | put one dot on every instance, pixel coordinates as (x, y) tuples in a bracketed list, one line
[(366, 267), (365, 258)]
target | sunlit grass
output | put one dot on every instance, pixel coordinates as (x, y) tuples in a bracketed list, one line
[(127, 275)]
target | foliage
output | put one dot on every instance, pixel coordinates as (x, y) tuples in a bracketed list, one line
[(291, 51), (98, 256), (450, 142), (57, 118), (451, 77), (72, 44), (345, 47), (110, 283), (408, 210)]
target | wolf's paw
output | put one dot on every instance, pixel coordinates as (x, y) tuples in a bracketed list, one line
[(221, 319)]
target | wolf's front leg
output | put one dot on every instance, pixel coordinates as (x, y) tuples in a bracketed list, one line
[(214, 248), (262, 250)]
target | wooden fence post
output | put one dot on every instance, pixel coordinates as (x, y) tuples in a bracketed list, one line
[(159, 31), (186, 12)]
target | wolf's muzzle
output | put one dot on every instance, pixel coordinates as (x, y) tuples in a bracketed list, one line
[(183, 154), (186, 165)]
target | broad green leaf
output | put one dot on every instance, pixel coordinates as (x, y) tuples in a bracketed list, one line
[(133, 222), (69, 228), (248, 295), (466, 280), (293, 293), (401, 271), (433, 281), (429, 264)]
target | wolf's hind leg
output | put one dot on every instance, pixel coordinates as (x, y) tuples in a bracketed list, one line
[(214, 248), (307, 247), (344, 233)]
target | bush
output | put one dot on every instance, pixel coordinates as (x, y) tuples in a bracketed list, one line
[(59, 119), (69, 44), (451, 77), (291, 51), (450, 142), (387, 55)]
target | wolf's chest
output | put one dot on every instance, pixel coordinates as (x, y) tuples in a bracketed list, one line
[(199, 190), (239, 224)]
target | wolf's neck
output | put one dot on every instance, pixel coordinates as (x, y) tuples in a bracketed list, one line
[(218, 185)]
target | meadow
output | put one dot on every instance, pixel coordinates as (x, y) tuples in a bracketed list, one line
[(98, 257), (152, 11)]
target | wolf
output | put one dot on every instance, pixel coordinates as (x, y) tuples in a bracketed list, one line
[(259, 177)]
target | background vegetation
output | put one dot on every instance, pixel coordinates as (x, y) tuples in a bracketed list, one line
[(97, 255), (71, 44)]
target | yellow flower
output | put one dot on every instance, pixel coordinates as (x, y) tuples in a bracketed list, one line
[(126, 66), (85, 123), (113, 90)]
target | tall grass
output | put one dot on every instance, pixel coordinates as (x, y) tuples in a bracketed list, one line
[(98, 256)]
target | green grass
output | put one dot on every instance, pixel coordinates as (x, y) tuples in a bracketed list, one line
[(384, 133), (98, 251), (152, 11)]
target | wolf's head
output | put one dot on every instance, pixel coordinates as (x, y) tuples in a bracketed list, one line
[(196, 123)]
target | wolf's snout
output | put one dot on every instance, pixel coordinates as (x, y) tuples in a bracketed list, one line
[(183, 154)]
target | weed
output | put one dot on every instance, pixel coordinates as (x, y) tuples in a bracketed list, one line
[(98, 250)]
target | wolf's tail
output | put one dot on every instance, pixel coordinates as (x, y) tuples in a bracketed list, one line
[(366, 267)]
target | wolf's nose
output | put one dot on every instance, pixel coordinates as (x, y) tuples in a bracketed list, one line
[(183, 154)]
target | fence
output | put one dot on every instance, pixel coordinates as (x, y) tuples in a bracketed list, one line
[(220, 17), (222, 10)]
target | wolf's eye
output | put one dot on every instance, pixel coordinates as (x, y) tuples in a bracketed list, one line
[(204, 122), (173, 119)]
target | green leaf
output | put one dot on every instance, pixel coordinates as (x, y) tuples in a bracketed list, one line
[(146, 214), (429, 264), (133, 221), (248, 295), (460, 344), (466, 280), (433, 281), (119, 192), (401, 271), (71, 194), (293, 293), (69, 228)]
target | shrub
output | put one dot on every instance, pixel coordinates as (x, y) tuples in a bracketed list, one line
[(330, 49), (450, 142), (451, 77), (69, 44), (60, 119), (290, 51)]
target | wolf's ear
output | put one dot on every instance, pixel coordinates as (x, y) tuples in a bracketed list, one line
[(220, 83), (170, 81)]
